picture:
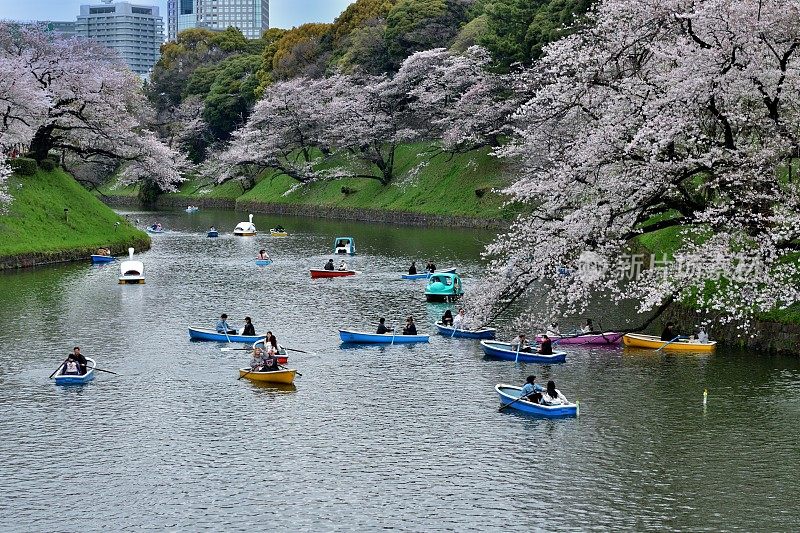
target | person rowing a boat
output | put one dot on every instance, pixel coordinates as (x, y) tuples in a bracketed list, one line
[(460, 318), (248, 329), (447, 318), (75, 364), (223, 327), (531, 391), (588, 327), (553, 330), (520, 343), (668, 334), (546, 346), (410, 328), (412, 270), (382, 329), (263, 255), (342, 266), (329, 265)]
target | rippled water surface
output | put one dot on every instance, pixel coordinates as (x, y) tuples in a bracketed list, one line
[(404, 437)]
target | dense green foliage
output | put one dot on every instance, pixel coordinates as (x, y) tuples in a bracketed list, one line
[(24, 166), (36, 221)]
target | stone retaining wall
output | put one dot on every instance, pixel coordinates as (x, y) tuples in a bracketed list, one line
[(66, 256)]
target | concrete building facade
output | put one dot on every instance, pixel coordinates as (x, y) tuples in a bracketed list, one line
[(135, 31), (249, 16)]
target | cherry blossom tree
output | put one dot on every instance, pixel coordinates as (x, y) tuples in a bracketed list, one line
[(662, 116), (79, 99)]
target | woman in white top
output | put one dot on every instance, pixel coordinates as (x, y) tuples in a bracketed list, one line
[(553, 396), (588, 327), (458, 320), (553, 331), (342, 266)]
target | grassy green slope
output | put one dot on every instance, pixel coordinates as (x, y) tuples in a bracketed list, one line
[(35, 222)]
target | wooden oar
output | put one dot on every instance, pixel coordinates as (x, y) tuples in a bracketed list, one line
[(293, 350), (243, 375), (59, 368), (667, 344), (515, 401), (107, 371)]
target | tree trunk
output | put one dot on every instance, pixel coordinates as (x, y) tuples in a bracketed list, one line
[(42, 143)]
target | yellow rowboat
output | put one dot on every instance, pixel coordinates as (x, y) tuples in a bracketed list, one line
[(635, 340), (275, 233), (278, 376)]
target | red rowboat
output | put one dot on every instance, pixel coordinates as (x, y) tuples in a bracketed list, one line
[(320, 273)]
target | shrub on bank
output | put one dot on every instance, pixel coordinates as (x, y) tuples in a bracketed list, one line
[(24, 166)]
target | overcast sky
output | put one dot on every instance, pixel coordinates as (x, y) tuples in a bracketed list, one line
[(283, 13)]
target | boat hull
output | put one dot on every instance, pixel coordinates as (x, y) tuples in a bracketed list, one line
[(77, 380), (263, 262), (317, 273), (274, 233), (509, 393), (244, 234), (439, 298), (278, 376), (589, 338), (449, 331), (502, 350), (426, 275), (347, 335), (205, 334), (212, 234), (635, 340), (131, 280), (155, 231), (100, 259)]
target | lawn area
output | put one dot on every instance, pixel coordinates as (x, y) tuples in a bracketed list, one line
[(35, 222)]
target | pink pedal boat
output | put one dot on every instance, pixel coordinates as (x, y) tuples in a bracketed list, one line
[(605, 338)]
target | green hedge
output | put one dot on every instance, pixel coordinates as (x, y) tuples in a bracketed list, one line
[(24, 166)]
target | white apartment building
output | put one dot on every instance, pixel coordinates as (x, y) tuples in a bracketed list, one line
[(134, 31), (250, 16)]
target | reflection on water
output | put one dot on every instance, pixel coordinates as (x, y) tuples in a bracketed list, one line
[(405, 437)]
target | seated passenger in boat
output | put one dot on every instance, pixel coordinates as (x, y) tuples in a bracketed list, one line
[(263, 255), (431, 267), (104, 252), (532, 391), (342, 266), (382, 329), (223, 327), (702, 336), (546, 346), (520, 344), (270, 360), (588, 327), (553, 396), (329, 265), (447, 318), (410, 328), (257, 360), (279, 229), (248, 329), (553, 330), (668, 333), (71, 366), (460, 318), (412, 270)]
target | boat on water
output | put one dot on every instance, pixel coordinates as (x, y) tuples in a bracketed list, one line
[(282, 357), (210, 334), (344, 245), (426, 275), (609, 337), (504, 350), (212, 234), (450, 331), (74, 379), (263, 262), (637, 340), (349, 335), (322, 273), (192, 209), (276, 376), (278, 232), (99, 259), (444, 287), (155, 229), (131, 272), (245, 229), (510, 393)]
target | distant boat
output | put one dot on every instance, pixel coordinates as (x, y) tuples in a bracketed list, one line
[(263, 262), (192, 209), (510, 394), (450, 331), (278, 376), (278, 232), (75, 379), (635, 340), (426, 275), (609, 337), (349, 335), (506, 351), (344, 245), (131, 272), (207, 334), (444, 287), (155, 229), (322, 273), (99, 259), (213, 234), (245, 229)]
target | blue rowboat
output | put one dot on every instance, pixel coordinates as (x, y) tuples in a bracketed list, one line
[(348, 335), (72, 379), (207, 334), (151, 229), (509, 393), (450, 331), (503, 350), (99, 259), (263, 262), (426, 275), (213, 234)]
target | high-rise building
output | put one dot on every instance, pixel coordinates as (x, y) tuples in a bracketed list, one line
[(67, 29), (250, 16), (134, 31)]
